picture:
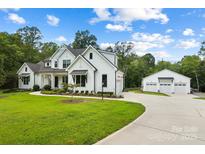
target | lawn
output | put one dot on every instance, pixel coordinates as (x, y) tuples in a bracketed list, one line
[(138, 91), (200, 98), (28, 119)]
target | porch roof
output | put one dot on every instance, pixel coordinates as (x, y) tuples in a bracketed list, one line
[(24, 74), (79, 72)]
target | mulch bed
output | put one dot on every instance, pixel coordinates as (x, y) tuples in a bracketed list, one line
[(74, 101)]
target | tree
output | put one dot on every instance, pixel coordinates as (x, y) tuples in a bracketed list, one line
[(2, 72), (149, 59), (83, 39), (30, 36), (162, 65), (202, 49), (47, 49), (189, 67)]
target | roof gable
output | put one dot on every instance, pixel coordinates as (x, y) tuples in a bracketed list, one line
[(101, 55), (164, 71), (84, 59)]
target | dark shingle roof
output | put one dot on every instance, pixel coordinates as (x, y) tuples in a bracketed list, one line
[(76, 52), (39, 68)]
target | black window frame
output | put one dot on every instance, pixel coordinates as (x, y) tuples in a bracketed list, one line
[(26, 69), (65, 79), (26, 80), (104, 80), (65, 65), (91, 55), (56, 63)]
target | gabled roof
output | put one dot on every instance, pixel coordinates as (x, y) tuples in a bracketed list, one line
[(107, 60), (84, 59), (166, 70), (76, 52)]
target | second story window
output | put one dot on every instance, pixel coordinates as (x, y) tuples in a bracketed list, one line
[(66, 63), (56, 63), (25, 69), (47, 64), (91, 55)]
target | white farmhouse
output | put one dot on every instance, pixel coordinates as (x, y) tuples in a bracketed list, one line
[(90, 68), (167, 81)]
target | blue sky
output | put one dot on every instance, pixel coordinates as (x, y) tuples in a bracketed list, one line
[(168, 34)]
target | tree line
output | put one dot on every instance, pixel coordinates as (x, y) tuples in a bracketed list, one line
[(26, 45)]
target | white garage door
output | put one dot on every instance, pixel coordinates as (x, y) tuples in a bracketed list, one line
[(151, 87), (180, 88), (165, 88)]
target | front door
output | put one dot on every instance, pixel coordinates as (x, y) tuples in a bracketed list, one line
[(56, 81)]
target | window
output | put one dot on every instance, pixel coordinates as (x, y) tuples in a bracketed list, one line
[(65, 79), (66, 63), (91, 55), (26, 69), (80, 80), (56, 63), (26, 80), (83, 79), (104, 80)]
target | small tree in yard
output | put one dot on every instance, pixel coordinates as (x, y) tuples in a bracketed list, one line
[(71, 87)]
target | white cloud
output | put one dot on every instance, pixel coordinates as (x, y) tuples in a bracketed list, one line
[(187, 44), (125, 17), (15, 18), (152, 38), (102, 15), (52, 20), (161, 54), (188, 32), (169, 30), (9, 9), (106, 45), (145, 14), (61, 39), (118, 27)]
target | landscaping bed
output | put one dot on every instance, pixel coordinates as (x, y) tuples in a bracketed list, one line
[(62, 92)]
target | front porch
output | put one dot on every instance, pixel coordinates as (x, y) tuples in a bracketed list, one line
[(55, 80)]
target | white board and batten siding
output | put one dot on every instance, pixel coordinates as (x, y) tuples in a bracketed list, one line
[(167, 81)]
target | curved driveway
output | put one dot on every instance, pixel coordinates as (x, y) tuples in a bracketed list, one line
[(178, 119)]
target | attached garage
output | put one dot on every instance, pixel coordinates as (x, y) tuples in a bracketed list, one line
[(168, 82)]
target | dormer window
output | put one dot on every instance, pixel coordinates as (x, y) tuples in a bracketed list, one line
[(56, 63), (91, 55), (26, 69)]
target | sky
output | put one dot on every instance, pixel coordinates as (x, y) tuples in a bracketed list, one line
[(168, 34)]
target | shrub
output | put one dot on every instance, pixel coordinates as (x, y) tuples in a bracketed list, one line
[(36, 87), (47, 87), (48, 92), (60, 91)]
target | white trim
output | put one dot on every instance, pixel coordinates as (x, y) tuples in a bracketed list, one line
[(115, 67), (62, 47), (22, 67), (166, 70), (79, 56)]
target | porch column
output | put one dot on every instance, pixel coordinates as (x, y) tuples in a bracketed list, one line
[(52, 81)]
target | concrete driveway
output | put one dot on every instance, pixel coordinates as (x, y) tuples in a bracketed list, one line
[(178, 119)]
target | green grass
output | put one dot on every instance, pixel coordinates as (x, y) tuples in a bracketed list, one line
[(138, 91), (28, 119), (200, 98)]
